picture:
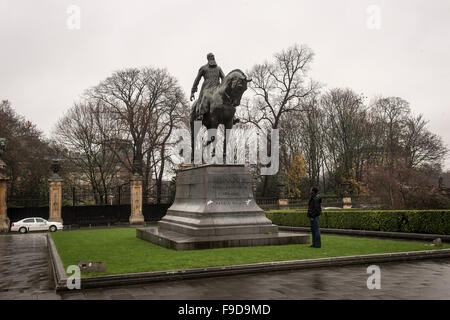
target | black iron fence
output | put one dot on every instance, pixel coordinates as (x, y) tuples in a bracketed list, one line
[(327, 202), (91, 215), (84, 196), (76, 196), (19, 213), (27, 202), (119, 213)]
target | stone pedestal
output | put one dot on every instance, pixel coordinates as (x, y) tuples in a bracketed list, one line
[(136, 216), (214, 208), (347, 203), (55, 199), (4, 221)]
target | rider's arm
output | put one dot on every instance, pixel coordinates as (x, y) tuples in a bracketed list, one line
[(221, 75), (197, 80)]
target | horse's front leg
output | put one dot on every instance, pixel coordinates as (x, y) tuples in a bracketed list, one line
[(210, 140), (227, 126), (213, 124), (191, 124)]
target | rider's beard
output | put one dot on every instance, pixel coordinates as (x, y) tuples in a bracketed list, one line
[(212, 63)]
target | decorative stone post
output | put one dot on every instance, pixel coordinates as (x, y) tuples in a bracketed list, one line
[(55, 193), (136, 216), (347, 203), (282, 201), (346, 197), (4, 221)]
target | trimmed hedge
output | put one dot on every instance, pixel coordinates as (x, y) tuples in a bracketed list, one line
[(413, 221)]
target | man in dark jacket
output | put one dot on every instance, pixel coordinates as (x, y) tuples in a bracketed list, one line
[(314, 211)]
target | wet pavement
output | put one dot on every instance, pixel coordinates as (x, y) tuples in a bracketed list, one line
[(25, 267), (25, 274)]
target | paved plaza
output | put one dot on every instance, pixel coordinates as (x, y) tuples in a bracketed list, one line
[(25, 274)]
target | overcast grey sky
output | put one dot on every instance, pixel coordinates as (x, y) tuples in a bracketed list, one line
[(45, 66)]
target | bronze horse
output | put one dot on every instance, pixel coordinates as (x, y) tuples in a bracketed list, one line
[(220, 105)]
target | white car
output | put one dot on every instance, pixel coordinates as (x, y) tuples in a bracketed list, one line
[(35, 224)]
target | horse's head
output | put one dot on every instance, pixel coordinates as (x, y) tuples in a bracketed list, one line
[(235, 85)]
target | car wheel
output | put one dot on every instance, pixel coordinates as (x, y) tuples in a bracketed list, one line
[(23, 230), (53, 229)]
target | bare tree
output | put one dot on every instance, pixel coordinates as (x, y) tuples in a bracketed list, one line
[(421, 146), (79, 133), (168, 116), (123, 95), (301, 133), (345, 134), (27, 154), (392, 113), (140, 101), (279, 88)]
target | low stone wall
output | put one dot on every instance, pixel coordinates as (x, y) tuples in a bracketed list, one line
[(377, 234)]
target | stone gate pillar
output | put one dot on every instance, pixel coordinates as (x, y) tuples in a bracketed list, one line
[(346, 202), (136, 216), (4, 220), (55, 198), (55, 194)]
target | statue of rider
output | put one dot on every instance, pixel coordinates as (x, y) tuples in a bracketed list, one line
[(212, 76), (2, 145)]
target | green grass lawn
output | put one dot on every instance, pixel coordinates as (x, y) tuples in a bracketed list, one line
[(124, 253)]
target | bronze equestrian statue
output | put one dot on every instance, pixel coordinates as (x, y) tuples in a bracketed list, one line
[(218, 100)]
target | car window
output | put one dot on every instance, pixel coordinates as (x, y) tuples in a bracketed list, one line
[(28, 221), (39, 220)]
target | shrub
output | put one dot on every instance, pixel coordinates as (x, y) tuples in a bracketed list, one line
[(417, 221)]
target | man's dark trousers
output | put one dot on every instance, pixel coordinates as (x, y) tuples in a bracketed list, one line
[(316, 242)]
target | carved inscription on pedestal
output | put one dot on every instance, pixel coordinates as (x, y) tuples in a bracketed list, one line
[(231, 187)]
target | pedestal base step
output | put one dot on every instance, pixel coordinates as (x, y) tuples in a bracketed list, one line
[(179, 241)]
